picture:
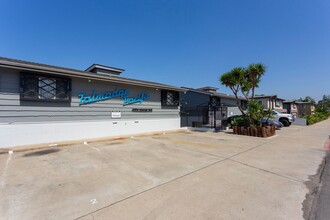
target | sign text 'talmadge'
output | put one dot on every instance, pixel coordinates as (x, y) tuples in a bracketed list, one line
[(118, 93)]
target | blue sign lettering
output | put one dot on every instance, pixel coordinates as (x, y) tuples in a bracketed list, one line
[(120, 93), (85, 99), (138, 99)]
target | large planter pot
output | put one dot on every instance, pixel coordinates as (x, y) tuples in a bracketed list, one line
[(266, 131)]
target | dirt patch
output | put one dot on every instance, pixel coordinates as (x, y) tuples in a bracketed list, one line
[(41, 152), (313, 185)]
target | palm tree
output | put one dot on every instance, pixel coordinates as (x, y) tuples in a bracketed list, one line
[(234, 79), (253, 74)]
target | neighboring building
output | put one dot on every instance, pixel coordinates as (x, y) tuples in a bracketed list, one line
[(305, 108), (43, 104), (291, 107), (206, 107), (271, 102)]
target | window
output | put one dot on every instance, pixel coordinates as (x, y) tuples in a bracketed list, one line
[(278, 103), (214, 101), (44, 88), (170, 98)]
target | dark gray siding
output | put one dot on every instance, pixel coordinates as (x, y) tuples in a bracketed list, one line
[(194, 100), (13, 110), (229, 101)]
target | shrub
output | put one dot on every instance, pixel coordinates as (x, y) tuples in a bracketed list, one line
[(255, 112), (240, 121), (318, 116), (321, 108)]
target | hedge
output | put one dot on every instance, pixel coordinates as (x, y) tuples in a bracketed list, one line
[(318, 116)]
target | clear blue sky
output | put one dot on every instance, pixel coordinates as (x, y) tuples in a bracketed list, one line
[(182, 43)]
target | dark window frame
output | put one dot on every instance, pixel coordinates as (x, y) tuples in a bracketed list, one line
[(215, 101), (165, 98), (30, 87)]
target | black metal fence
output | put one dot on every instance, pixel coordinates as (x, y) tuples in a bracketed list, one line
[(207, 117)]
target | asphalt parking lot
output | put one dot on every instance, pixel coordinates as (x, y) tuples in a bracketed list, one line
[(181, 175)]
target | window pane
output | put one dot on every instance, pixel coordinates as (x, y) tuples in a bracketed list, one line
[(62, 91), (215, 101), (36, 87), (30, 88), (47, 88), (170, 98)]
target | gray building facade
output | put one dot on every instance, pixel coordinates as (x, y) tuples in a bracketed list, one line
[(46, 104), (205, 107)]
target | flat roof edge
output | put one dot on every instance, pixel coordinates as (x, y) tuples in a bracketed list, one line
[(81, 74), (221, 95), (94, 66)]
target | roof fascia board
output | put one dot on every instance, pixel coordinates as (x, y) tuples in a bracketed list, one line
[(213, 94), (201, 92), (94, 66), (82, 74)]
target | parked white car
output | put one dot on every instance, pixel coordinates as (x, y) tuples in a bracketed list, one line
[(285, 119)]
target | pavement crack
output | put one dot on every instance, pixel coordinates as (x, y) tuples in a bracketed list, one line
[(267, 171), (152, 188), (252, 148), (187, 174), (221, 159)]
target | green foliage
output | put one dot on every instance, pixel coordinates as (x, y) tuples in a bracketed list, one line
[(321, 113), (325, 100), (255, 112), (318, 116), (307, 99), (245, 80), (240, 121), (233, 80), (269, 114), (321, 108), (252, 78)]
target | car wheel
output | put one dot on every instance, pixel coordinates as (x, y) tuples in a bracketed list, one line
[(285, 122)]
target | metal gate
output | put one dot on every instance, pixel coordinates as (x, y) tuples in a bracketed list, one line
[(207, 117)]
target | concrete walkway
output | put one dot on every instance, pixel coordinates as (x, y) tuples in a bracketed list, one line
[(193, 175)]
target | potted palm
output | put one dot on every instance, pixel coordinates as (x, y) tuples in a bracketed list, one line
[(244, 81)]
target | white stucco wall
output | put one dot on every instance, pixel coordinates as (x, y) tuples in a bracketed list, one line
[(264, 101), (12, 135)]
